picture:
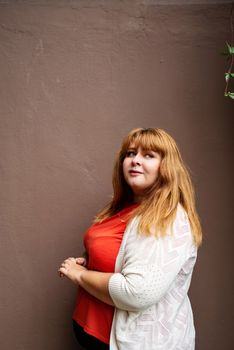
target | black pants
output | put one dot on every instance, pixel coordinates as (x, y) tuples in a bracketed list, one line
[(87, 341)]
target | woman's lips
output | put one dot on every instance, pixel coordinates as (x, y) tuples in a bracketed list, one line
[(135, 172)]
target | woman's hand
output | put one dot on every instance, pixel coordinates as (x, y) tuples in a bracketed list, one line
[(94, 282), (72, 268)]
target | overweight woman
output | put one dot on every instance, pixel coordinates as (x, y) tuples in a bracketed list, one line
[(139, 253)]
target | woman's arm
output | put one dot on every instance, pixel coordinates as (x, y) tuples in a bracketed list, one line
[(151, 265), (94, 282)]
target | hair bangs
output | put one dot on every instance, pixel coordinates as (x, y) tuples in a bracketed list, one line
[(147, 139)]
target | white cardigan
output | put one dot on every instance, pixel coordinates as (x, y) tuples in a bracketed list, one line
[(149, 289)]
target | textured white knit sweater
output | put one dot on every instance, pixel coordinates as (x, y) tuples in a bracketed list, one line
[(149, 289)]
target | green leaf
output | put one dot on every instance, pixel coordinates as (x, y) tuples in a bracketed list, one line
[(230, 49), (229, 94), (228, 76)]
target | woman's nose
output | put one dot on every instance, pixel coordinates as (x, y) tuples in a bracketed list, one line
[(136, 160)]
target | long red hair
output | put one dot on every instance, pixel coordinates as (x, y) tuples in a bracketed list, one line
[(173, 186)]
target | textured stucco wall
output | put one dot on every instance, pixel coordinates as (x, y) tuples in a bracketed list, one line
[(76, 76)]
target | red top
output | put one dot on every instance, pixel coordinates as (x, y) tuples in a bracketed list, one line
[(102, 242)]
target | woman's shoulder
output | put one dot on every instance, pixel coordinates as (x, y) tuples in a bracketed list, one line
[(181, 222), (179, 232), (180, 218), (181, 212)]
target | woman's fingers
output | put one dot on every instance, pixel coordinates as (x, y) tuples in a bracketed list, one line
[(81, 261), (65, 264), (61, 273), (69, 263), (70, 260)]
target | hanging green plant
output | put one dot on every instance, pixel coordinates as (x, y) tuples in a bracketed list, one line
[(230, 56)]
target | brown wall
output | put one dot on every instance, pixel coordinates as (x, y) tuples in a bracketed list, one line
[(75, 77)]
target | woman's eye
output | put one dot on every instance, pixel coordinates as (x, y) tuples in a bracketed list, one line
[(130, 154), (149, 155)]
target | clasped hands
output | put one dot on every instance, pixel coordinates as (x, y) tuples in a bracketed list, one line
[(72, 268)]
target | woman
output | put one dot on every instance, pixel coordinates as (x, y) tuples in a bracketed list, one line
[(141, 252)]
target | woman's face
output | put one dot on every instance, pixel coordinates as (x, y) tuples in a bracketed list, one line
[(140, 169)]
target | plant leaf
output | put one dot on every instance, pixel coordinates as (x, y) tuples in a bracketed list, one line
[(227, 76), (230, 49), (231, 95)]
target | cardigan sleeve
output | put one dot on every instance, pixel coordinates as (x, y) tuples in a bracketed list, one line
[(152, 264)]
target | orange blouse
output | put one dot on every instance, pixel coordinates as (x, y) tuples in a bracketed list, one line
[(102, 242)]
